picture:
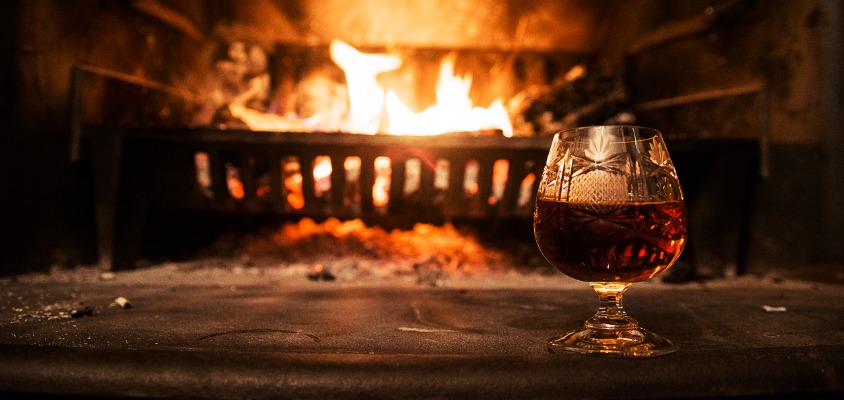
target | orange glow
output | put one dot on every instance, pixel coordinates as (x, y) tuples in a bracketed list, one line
[(526, 191), (453, 112), (233, 182), (374, 109), (322, 175), (352, 167), (292, 181), (381, 187), (500, 170), (236, 188), (366, 96), (470, 179), (322, 167)]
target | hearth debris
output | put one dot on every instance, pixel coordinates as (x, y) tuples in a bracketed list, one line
[(425, 330), (774, 309), (28, 309), (321, 273), (122, 302), (41, 303), (82, 311)]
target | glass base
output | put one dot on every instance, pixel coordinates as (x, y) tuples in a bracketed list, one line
[(634, 342)]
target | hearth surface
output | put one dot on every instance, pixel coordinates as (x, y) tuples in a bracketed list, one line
[(223, 332)]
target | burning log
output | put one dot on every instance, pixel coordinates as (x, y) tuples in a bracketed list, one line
[(239, 96), (587, 95)]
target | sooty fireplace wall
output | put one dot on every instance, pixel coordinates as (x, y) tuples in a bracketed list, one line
[(764, 71)]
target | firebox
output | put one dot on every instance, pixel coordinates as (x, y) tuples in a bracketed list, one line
[(324, 198), (745, 81), (395, 129)]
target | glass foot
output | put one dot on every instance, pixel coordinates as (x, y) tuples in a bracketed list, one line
[(634, 342)]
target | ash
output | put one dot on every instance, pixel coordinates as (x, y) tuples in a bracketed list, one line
[(352, 251)]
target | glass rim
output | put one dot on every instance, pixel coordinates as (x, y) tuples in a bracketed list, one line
[(561, 135)]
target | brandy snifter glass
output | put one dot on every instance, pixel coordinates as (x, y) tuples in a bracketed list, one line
[(610, 212)]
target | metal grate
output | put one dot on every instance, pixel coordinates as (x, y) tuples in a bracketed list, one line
[(424, 178)]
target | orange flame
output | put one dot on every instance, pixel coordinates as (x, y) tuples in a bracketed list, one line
[(366, 96), (293, 183), (322, 175), (372, 111), (381, 188), (233, 182), (453, 112)]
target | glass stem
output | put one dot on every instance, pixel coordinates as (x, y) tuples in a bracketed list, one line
[(611, 314)]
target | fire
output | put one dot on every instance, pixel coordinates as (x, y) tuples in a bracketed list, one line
[(499, 180), (374, 109), (381, 188), (369, 106), (292, 181), (322, 175), (453, 112), (234, 183), (366, 96)]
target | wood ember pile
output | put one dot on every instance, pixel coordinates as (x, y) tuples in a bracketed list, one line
[(352, 251)]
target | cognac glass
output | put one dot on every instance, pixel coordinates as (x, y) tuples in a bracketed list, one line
[(610, 212)]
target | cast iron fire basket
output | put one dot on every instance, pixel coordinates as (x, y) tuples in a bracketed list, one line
[(459, 175)]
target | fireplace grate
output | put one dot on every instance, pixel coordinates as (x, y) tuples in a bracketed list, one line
[(373, 177)]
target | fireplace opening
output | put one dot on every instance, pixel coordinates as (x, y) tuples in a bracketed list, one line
[(283, 109)]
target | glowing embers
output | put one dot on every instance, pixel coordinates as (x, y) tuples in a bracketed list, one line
[(381, 187), (500, 170), (291, 179), (322, 176), (234, 183)]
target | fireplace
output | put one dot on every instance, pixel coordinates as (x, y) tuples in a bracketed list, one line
[(547, 81), (707, 73), (144, 159)]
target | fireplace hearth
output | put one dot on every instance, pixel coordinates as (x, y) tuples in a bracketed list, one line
[(225, 332)]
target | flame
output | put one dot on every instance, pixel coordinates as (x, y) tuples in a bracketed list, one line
[(381, 188), (322, 175), (352, 167), (233, 182), (236, 188), (373, 109), (366, 96), (322, 167), (293, 183), (453, 112), (470, 178), (500, 172)]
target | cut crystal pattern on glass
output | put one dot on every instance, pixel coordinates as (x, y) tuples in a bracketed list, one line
[(658, 154), (601, 147), (610, 212), (598, 186)]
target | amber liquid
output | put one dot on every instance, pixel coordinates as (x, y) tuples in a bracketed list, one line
[(627, 242)]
